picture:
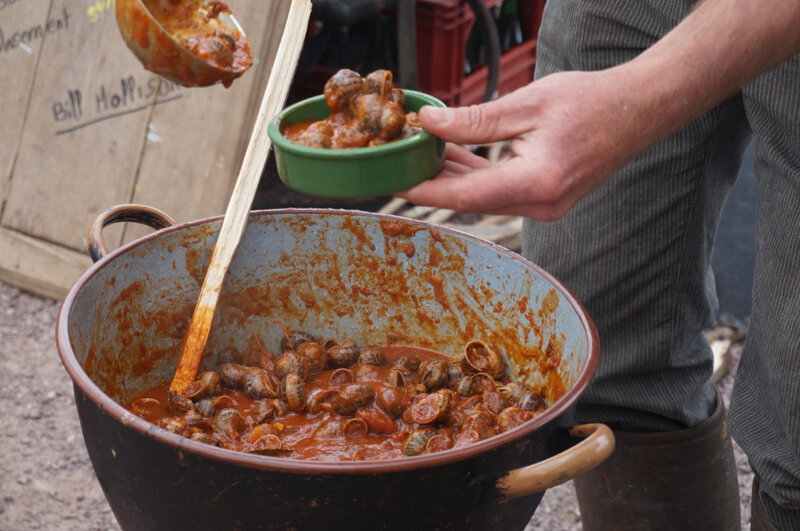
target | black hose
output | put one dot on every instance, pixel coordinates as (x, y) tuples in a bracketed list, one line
[(488, 28)]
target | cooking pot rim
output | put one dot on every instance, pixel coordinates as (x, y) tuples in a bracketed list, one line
[(282, 464)]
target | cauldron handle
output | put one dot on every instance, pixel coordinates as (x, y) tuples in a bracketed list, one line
[(569, 464), (152, 217)]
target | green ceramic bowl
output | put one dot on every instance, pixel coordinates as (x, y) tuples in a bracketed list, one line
[(355, 172)]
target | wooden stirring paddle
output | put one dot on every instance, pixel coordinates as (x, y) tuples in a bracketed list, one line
[(242, 196)]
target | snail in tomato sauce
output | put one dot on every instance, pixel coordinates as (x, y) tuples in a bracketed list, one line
[(365, 111), (358, 403), (204, 28)]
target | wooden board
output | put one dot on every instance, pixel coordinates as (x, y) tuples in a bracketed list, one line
[(39, 267), (89, 128), (23, 26), (84, 132)]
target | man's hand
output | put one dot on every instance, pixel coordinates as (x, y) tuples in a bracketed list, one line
[(564, 131), (571, 131)]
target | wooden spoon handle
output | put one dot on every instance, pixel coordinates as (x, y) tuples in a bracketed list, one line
[(243, 192)]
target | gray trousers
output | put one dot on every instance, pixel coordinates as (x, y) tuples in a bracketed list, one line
[(637, 252)]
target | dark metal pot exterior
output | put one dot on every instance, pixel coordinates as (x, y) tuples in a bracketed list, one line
[(155, 486), (120, 330)]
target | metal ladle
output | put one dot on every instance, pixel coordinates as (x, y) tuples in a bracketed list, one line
[(190, 42)]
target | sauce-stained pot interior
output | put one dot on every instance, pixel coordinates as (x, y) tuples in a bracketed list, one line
[(376, 279), (381, 279)]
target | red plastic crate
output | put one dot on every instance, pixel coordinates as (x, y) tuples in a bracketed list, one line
[(516, 70), (443, 27), (531, 15)]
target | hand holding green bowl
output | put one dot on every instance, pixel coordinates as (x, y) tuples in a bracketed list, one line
[(355, 172)]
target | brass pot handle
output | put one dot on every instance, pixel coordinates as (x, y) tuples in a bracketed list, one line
[(152, 217), (569, 464)]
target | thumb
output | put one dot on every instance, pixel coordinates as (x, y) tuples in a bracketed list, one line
[(477, 124)]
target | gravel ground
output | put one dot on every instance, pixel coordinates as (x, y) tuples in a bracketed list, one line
[(46, 479)]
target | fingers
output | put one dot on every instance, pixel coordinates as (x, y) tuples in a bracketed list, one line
[(455, 154), (512, 188), (475, 191), (459, 161), (496, 120)]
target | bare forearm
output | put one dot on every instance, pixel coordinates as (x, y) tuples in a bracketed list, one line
[(719, 47), (571, 130)]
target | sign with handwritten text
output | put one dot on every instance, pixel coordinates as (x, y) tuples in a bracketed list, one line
[(14, 37), (128, 95), (85, 126)]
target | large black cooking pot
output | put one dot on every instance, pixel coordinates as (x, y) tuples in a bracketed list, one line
[(339, 274)]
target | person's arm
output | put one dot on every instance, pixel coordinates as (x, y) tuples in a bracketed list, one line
[(571, 131)]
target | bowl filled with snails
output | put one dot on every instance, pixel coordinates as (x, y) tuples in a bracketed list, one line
[(360, 138)]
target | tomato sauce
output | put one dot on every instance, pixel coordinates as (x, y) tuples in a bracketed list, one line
[(197, 26), (365, 111), (364, 411)]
